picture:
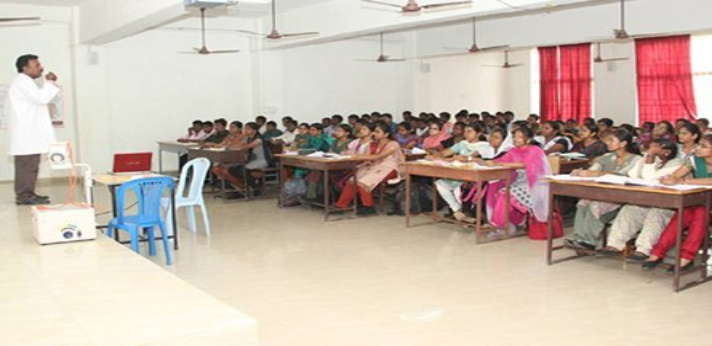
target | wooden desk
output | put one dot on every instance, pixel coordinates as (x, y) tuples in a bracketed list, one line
[(567, 166), (319, 164), (478, 176), (414, 157), (112, 181), (224, 157), (645, 196), (172, 147)]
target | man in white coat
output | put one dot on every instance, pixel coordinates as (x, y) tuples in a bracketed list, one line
[(29, 124)]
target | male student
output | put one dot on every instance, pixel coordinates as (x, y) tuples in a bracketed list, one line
[(195, 133), (704, 125), (261, 121), (289, 134), (220, 132), (29, 124), (272, 131)]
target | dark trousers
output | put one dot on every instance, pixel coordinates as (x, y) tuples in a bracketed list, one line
[(27, 168)]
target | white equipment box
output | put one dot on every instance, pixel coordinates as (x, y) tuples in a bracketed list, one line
[(61, 224), (207, 3)]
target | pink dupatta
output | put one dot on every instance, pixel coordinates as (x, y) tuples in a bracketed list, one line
[(537, 167), (431, 142)]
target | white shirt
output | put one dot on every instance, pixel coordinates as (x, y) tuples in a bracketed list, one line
[(288, 137), (27, 113)]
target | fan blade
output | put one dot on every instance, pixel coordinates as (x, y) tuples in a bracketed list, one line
[(250, 32), (298, 34), (188, 53), (513, 65), (224, 51), (366, 60), (18, 19), (495, 47), (382, 3), (393, 60), (445, 55), (607, 60), (446, 4), (456, 48)]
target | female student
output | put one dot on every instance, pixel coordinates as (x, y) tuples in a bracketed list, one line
[(663, 129), (232, 139), (552, 138), (498, 145), (591, 216), (528, 194), (450, 190), (659, 161), (364, 143), (699, 167), (318, 140), (589, 144), (458, 135), (405, 136), (380, 166), (436, 135), (302, 137), (688, 136), (342, 138), (258, 158)]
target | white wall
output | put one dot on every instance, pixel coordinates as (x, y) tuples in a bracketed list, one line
[(615, 85), (317, 81)]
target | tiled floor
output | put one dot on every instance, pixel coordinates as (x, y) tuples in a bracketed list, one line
[(373, 282)]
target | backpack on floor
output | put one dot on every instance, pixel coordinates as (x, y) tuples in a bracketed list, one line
[(539, 230)]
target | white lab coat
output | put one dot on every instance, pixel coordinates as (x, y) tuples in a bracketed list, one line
[(27, 113)]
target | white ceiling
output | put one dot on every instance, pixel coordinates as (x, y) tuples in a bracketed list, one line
[(243, 6), (45, 2)]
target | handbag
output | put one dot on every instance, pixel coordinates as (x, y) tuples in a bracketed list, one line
[(539, 230)]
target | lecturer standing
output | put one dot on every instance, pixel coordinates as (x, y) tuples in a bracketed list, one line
[(29, 124)]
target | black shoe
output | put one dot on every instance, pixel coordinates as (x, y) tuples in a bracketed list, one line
[(683, 269), (41, 197), (610, 251), (366, 211), (637, 257), (32, 201), (650, 265), (579, 244)]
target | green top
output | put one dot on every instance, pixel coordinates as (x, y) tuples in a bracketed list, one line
[(698, 166), (608, 163), (300, 141), (339, 148), (320, 143)]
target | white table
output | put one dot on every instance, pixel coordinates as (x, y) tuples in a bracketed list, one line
[(172, 147)]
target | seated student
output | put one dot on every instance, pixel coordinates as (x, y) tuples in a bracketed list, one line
[(220, 132), (234, 137), (436, 135), (334, 123), (592, 216), (392, 127), (290, 133), (259, 158), (357, 127), (533, 121), (206, 132), (450, 190), (302, 137), (271, 131), (704, 125), (700, 168), (497, 144), (528, 194), (589, 144), (445, 121), (659, 161), (688, 136), (553, 139), (341, 139), (318, 140), (605, 126), (405, 136), (663, 129), (458, 135), (261, 121), (382, 165), (195, 133), (364, 144), (353, 119), (286, 120), (421, 128)]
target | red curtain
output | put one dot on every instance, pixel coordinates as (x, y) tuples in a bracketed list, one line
[(575, 82), (665, 89), (549, 79)]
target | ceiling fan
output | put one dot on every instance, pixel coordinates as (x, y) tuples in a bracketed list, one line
[(18, 19), (475, 48), (621, 33), (599, 58), (412, 5), (382, 57), (204, 49), (274, 33), (507, 64)]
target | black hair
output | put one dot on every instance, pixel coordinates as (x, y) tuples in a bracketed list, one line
[(338, 117), (693, 129), (383, 126), (520, 123), (527, 132), (681, 120), (648, 125), (287, 118), (554, 125), (370, 126), (365, 116), (589, 120), (238, 124), (303, 125), (475, 115), (253, 125), (445, 115), (317, 126), (406, 126), (624, 135), (387, 115), (628, 127), (704, 121), (475, 127), (509, 114), (499, 129), (271, 123), (460, 124), (536, 117), (348, 129), (436, 122), (221, 121), (354, 116), (294, 122), (23, 61), (593, 128), (606, 121), (198, 122), (207, 123), (707, 138), (668, 125), (667, 144), (261, 118)]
